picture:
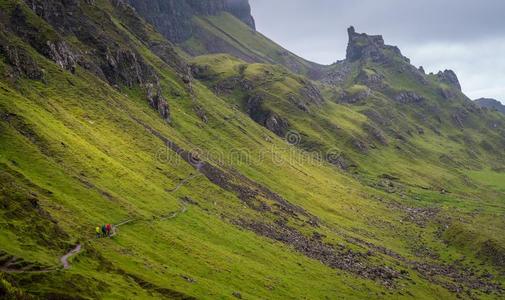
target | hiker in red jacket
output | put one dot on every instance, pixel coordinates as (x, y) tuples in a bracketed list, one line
[(108, 228)]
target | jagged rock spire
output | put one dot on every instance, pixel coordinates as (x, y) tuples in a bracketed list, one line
[(361, 45), (364, 46)]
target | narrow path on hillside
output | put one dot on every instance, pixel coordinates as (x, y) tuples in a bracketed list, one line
[(172, 215), (64, 258), (183, 182), (10, 265)]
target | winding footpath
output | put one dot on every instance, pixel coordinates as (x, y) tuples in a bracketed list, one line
[(78, 248), (64, 258), (183, 182)]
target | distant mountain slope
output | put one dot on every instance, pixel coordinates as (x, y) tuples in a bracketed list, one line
[(394, 111), (223, 26), (491, 104), (173, 18)]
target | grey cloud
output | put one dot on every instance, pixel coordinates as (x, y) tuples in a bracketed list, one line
[(467, 36)]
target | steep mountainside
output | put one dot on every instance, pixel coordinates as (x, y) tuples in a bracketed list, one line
[(491, 104), (224, 26), (172, 18), (228, 170), (393, 111)]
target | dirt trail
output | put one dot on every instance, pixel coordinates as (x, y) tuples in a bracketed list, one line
[(183, 183), (64, 258), (78, 248), (184, 208)]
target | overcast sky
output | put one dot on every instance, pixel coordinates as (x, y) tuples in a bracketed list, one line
[(467, 36)]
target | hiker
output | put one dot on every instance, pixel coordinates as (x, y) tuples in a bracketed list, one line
[(97, 229), (104, 230), (108, 228)]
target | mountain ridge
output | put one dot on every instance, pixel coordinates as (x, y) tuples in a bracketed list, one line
[(491, 104)]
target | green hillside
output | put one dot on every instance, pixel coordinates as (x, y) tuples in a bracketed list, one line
[(229, 178)]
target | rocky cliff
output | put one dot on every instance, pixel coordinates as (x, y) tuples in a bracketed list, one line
[(111, 56), (173, 17), (362, 45)]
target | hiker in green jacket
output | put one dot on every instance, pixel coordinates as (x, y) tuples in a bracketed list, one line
[(97, 229)]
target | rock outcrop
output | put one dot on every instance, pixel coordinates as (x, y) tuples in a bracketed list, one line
[(20, 60), (110, 56), (267, 118), (408, 97), (61, 53), (172, 18), (364, 46), (450, 78), (157, 101), (242, 10)]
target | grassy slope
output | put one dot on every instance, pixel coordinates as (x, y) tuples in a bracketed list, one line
[(337, 126), (77, 148)]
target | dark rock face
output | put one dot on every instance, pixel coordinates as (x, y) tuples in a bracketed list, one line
[(172, 18), (446, 93), (408, 97), (242, 10), (372, 80), (340, 160), (157, 101), (308, 95), (276, 124), (450, 78), (490, 104), (311, 93), (20, 60), (375, 133), (48, 45), (111, 59), (124, 66), (336, 75), (460, 118), (163, 49), (61, 53), (363, 46), (352, 97), (264, 117)]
